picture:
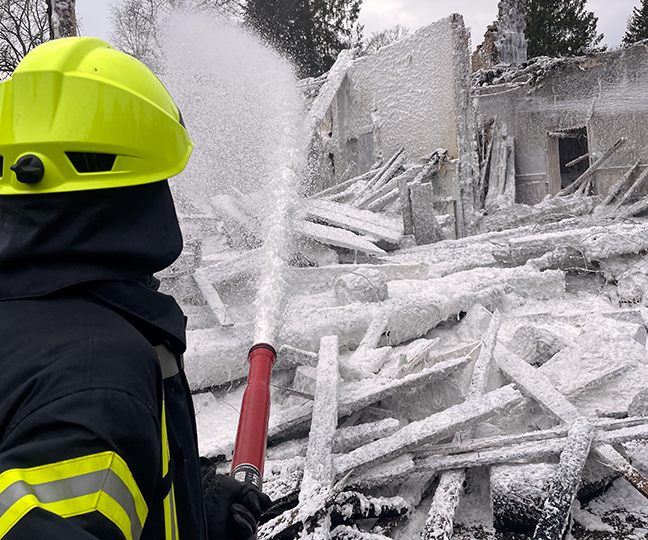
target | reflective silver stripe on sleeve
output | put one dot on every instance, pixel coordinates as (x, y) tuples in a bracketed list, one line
[(76, 486), (173, 514)]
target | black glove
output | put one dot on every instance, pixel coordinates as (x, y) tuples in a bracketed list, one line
[(233, 508)]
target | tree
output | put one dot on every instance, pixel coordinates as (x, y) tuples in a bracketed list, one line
[(229, 8), (62, 17), (135, 28), (637, 28), (309, 32), (560, 28), (24, 24), (386, 37)]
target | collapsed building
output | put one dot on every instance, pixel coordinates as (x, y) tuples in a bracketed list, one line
[(564, 114), (557, 116), (414, 95), (463, 350)]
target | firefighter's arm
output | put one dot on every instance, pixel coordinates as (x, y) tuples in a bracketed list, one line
[(66, 476)]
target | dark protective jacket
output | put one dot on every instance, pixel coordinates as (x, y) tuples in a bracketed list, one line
[(94, 443)]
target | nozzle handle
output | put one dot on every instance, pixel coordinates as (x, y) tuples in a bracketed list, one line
[(246, 472), (252, 434)]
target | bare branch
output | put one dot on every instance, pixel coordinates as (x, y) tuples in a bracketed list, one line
[(23, 25)]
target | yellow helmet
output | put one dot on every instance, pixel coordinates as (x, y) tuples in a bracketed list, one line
[(78, 115)]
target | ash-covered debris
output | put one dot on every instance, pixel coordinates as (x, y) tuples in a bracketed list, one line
[(467, 354), (530, 72), (411, 327), (440, 375)]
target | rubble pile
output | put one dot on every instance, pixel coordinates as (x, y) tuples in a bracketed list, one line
[(451, 363), (486, 385)]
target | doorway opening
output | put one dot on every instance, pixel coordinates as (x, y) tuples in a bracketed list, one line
[(568, 157), (574, 155)]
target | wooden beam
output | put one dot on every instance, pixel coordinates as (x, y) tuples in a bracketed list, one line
[(335, 236), (406, 207), (440, 521), (365, 222), (634, 188), (488, 452), (535, 384), (432, 428), (562, 492), (358, 395), (318, 471), (616, 187), (577, 160), (580, 181), (211, 296)]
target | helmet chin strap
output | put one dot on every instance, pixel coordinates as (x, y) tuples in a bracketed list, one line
[(29, 169)]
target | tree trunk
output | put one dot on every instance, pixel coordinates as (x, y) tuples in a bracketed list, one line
[(62, 14)]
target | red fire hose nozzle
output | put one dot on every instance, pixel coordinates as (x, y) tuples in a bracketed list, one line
[(252, 434)]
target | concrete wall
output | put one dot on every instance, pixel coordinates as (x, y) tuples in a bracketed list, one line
[(606, 93)]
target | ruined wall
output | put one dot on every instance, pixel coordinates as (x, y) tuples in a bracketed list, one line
[(606, 93), (403, 95), (415, 94), (504, 40)]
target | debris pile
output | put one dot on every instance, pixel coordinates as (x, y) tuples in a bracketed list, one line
[(432, 384)]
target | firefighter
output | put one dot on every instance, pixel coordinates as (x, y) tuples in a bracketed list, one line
[(97, 433)]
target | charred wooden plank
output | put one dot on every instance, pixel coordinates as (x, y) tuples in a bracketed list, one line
[(536, 385), (356, 396), (344, 439), (632, 190), (384, 176), (338, 237), (616, 187), (440, 522), (212, 297), (318, 471), (365, 222)]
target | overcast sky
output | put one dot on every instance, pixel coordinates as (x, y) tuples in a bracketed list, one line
[(377, 15)]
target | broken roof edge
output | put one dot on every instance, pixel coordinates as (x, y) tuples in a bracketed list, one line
[(534, 70)]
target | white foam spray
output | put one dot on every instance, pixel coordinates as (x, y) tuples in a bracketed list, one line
[(243, 110)]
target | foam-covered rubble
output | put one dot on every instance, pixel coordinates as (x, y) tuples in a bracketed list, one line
[(418, 376), (599, 365)]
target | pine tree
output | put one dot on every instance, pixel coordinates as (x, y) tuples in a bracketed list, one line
[(560, 28), (309, 32), (637, 28)]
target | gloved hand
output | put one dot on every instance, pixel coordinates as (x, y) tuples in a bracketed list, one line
[(233, 508)]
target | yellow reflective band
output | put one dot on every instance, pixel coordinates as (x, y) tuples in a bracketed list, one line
[(170, 517), (166, 454), (99, 482)]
